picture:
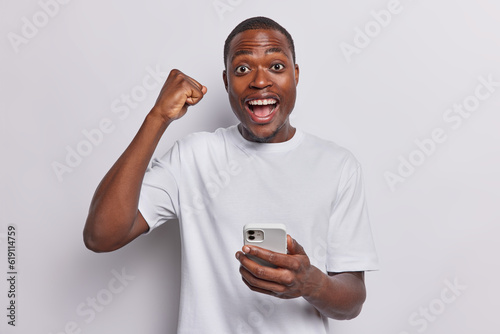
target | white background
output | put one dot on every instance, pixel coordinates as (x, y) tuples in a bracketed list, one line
[(440, 225)]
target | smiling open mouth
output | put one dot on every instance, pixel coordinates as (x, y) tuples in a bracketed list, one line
[(262, 108)]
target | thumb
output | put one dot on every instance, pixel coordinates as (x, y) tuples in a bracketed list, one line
[(293, 247)]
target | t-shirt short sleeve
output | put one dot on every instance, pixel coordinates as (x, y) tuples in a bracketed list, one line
[(350, 241), (158, 201)]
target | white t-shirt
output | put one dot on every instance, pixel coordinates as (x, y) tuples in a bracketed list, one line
[(215, 183)]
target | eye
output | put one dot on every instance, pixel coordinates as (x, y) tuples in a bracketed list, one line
[(242, 69), (278, 67)]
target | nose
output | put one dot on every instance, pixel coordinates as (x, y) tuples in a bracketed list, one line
[(260, 79)]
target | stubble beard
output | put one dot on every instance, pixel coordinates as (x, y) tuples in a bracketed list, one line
[(262, 140)]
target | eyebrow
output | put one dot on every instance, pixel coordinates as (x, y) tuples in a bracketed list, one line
[(249, 52), (273, 50)]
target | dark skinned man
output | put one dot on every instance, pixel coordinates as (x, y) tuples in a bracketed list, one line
[(261, 170)]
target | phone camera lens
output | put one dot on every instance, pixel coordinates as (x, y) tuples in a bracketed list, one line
[(251, 232), (251, 237)]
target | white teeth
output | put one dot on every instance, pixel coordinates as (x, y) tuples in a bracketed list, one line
[(262, 102)]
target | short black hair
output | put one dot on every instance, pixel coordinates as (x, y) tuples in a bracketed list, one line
[(254, 23)]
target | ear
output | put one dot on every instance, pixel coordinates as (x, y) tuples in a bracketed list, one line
[(224, 78), (296, 74)]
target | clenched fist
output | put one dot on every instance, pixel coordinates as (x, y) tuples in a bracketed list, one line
[(177, 94)]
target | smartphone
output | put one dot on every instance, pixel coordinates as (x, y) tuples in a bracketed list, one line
[(268, 236)]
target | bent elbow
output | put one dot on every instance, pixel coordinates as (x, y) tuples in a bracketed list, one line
[(354, 313), (346, 315), (96, 243), (92, 245)]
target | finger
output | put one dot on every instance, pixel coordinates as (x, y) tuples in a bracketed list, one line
[(278, 259), (258, 270), (252, 266), (194, 91), (294, 248), (195, 95), (259, 284), (194, 82), (177, 76), (281, 276), (253, 288)]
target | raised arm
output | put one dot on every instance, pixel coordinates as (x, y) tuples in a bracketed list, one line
[(114, 219)]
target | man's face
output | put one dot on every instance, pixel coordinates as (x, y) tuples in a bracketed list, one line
[(261, 80)]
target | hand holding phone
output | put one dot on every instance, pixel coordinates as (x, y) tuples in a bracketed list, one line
[(267, 236), (296, 277)]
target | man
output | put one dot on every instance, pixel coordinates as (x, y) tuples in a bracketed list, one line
[(262, 170)]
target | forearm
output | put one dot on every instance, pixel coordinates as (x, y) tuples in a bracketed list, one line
[(339, 296), (113, 209)]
